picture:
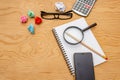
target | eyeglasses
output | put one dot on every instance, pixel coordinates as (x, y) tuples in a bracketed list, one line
[(61, 16)]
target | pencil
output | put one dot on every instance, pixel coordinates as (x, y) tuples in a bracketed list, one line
[(87, 46)]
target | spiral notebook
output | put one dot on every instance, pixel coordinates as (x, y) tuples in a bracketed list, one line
[(68, 50)]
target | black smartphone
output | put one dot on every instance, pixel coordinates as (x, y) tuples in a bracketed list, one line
[(84, 68)]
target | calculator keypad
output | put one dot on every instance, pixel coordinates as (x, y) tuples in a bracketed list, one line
[(83, 6)]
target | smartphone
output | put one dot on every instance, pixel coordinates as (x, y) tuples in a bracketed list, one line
[(84, 68)]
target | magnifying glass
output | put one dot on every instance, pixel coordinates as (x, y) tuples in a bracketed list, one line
[(76, 32)]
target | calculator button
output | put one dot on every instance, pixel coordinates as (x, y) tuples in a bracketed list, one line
[(81, 11), (87, 6), (77, 9), (81, 0), (86, 9), (82, 4), (84, 12), (87, 2), (90, 3)]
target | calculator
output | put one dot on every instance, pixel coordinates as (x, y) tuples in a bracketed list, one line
[(83, 7)]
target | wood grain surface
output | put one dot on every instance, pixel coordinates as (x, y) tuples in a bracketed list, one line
[(37, 57)]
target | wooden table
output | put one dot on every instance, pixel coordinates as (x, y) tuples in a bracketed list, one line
[(37, 57)]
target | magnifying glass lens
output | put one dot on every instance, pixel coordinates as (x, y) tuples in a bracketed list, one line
[(74, 32)]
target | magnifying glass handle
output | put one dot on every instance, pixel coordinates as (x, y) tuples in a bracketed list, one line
[(92, 25)]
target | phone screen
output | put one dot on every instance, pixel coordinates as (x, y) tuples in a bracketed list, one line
[(84, 68)]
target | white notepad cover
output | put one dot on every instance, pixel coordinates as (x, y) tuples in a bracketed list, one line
[(68, 50)]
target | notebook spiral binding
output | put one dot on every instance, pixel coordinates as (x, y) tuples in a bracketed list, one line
[(64, 53)]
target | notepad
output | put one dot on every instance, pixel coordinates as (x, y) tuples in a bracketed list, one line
[(68, 50)]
